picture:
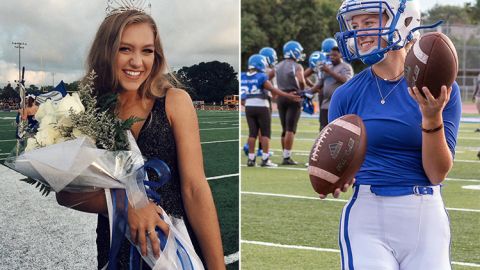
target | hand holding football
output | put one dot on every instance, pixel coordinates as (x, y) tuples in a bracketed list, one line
[(337, 154), (431, 62)]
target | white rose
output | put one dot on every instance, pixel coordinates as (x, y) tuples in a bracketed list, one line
[(31, 144), (44, 109), (65, 121), (70, 102), (47, 136), (48, 121)]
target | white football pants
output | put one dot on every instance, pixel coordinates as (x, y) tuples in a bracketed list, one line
[(409, 232)]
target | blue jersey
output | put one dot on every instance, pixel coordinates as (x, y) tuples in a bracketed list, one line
[(252, 85), (252, 89), (394, 135)]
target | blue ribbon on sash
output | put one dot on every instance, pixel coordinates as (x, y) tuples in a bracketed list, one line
[(120, 214)]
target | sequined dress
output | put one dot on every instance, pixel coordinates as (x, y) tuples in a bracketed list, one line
[(155, 140)]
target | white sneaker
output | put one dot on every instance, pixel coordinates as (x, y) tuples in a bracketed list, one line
[(268, 163)]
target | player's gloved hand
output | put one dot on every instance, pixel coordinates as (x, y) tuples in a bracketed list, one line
[(338, 191)]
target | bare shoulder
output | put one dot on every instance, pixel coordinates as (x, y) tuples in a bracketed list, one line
[(177, 95), (178, 103)]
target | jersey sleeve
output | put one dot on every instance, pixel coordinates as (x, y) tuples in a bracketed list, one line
[(451, 117), (262, 78)]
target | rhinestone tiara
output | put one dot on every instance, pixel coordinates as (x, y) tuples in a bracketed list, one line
[(119, 6)]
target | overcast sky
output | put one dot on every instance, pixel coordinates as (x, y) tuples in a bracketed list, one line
[(59, 33), (428, 4)]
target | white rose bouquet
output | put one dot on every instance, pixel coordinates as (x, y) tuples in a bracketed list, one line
[(81, 147)]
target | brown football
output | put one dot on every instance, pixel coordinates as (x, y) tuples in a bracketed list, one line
[(337, 154), (431, 62)]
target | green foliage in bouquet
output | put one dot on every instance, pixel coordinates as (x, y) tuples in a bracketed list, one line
[(44, 189), (99, 121)]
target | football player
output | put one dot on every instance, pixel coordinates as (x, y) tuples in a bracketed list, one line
[(290, 79), (255, 84), (395, 218)]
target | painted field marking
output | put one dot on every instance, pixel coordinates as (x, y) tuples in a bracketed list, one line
[(472, 187), (223, 122), (334, 200), (222, 176), (462, 180), (323, 249), (202, 129), (219, 141), (234, 257), (289, 246)]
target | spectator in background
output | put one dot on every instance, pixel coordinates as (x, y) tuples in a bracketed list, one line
[(334, 75), (30, 109)]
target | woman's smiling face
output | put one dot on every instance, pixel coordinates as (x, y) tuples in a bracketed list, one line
[(135, 56)]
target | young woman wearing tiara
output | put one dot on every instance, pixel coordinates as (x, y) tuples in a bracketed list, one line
[(128, 58)]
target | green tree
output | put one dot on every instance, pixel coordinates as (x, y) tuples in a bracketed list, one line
[(272, 23), (33, 89), (209, 81), (449, 14), (73, 86), (8, 92)]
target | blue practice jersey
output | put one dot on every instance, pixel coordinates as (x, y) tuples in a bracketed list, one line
[(252, 89), (394, 134), (252, 84)]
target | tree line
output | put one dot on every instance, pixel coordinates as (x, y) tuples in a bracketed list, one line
[(272, 23), (209, 81)]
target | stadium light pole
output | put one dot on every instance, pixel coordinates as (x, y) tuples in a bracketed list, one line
[(20, 46)]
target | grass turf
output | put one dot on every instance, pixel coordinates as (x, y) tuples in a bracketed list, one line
[(314, 223), (220, 158)]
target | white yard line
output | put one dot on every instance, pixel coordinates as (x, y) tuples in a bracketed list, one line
[(334, 200), (291, 196), (234, 257), (219, 128), (470, 138), (219, 141), (462, 180), (289, 246), (220, 122), (323, 249), (222, 176)]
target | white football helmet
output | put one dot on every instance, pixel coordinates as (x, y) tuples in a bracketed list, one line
[(403, 21)]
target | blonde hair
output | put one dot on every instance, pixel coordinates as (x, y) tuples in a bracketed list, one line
[(102, 56)]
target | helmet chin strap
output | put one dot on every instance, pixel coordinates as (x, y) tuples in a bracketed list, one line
[(374, 58)]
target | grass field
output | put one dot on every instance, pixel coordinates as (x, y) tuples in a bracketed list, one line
[(285, 225), (219, 137)]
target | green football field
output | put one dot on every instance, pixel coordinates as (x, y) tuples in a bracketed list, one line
[(219, 137), (285, 226)]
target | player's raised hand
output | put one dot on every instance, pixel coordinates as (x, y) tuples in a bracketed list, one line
[(430, 106)]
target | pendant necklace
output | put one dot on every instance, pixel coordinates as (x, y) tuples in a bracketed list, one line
[(382, 101)]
